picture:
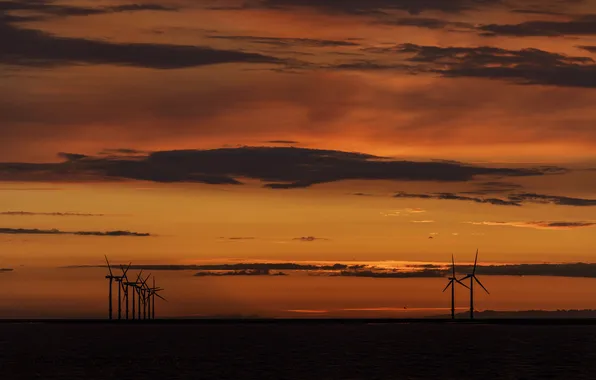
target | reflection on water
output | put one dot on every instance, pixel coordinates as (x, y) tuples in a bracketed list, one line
[(54, 293)]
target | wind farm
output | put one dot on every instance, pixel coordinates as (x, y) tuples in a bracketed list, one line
[(144, 295)]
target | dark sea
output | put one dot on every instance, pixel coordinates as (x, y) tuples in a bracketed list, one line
[(296, 351)]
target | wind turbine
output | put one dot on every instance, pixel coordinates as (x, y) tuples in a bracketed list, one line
[(110, 276), (152, 293), (122, 282), (134, 286), (452, 281), (144, 291), (472, 277)]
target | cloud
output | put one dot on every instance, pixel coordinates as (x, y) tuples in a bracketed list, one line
[(423, 221), (309, 239), (515, 199), (278, 167), (581, 25), (526, 66), (494, 187), (380, 7), (399, 212), (28, 213), (244, 272), (30, 47), (591, 49), (428, 23), (539, 225), (552, 199), (51, 8), (286, 42), (35, 231), (240, 238), (452, 196)]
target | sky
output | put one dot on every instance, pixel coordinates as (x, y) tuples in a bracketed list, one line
[(183, 132)]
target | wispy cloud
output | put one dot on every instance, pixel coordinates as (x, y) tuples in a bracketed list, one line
[(423, 221), (515, 199), (403, 211), (539, 225)]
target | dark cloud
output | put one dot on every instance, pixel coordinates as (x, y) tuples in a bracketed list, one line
[(539, 225), (240, 238), (278, 167), (51, 8), (428, 23), (309, 238), (452, 196), (578, 25), (591, 49), (30, 47), (35, 231), (3, 270), (286, 42), (494, 187), (516, 199), (28, 213), (380, 7), (552, 199), (245, 272), (526, 66)]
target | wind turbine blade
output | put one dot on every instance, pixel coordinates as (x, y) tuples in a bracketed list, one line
[(161, 297), (139, 275), (450, 283), (465, 278), (124, 271), (453, 265), (110, 269), (462, 284), (480, 283), (475, 262)]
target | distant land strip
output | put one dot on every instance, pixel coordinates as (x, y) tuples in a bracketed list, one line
[(586, 270)]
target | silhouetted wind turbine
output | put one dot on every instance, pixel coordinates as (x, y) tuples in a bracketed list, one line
[(452, 281), (144, 292), (472, 277), (122, 287), (134, 286), (152, 293), (110, 276)]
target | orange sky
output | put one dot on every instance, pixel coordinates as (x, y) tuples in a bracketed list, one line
[(504, 88)]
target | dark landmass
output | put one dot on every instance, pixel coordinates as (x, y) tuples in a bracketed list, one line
[(230, 267), (35, 231), (249, 272), (297, 350), (528, 314), (391, 274), (586, 270), (6, 270)]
